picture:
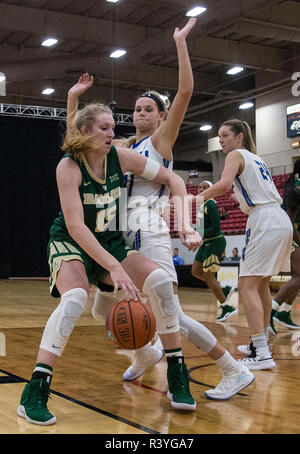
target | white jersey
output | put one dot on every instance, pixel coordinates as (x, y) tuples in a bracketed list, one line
[(146, 200), (254, 186)]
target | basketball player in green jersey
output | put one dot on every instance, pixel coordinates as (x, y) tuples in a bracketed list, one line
[(85, 248), (208, 258)]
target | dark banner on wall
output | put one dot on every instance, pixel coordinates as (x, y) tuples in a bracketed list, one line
[(293, 120)]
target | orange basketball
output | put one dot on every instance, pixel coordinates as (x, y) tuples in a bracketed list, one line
[(131, 324)]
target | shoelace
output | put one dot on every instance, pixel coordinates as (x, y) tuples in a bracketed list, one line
[(40, 394), (224, 383), (180, 380)]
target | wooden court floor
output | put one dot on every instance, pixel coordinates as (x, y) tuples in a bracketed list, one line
[(90, 397)]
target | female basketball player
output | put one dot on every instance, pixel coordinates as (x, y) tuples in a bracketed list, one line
[(86, 247), (156, 132), (282, 303), (268, 232), (209, 256)]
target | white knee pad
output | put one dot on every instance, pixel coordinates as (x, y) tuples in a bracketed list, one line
[(62, 321), (196, 333), (104, 302), (159, 288)]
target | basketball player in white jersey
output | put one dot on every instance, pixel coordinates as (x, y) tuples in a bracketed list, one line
[(268, 237), (156, 132)]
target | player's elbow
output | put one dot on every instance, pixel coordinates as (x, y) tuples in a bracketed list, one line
[(73, 229), (226, 184)]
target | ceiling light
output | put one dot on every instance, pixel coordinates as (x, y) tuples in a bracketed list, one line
[(118, 53), (205, 127), (196, 11), (246, 105), (49, 42), (112, 1), (235, 70), (48, 91)]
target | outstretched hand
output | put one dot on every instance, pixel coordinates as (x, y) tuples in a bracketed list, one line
[(190, 239), (84, 83), (183, 33), (122, 281)]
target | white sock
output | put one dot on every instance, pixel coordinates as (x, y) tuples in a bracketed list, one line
[(259, 340), (285, 307), (275, 305), (227, 363), (267, 332)]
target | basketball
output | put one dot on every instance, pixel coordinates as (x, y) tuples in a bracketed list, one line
[(131, 324)]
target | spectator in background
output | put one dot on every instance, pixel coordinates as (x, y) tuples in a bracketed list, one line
[(176, 259), (235, 255)]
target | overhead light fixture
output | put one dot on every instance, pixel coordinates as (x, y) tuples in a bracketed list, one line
[(205, 127), (112, 1), (235, 70), (118, 53), (246, 105), (196, 11), (2, 84), (48, 91), (49, 42)]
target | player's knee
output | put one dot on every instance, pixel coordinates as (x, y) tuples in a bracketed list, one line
[(72, 305), (159, 287), (104, 302), (196, 271)]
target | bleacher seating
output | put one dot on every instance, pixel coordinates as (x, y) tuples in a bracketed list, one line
[(236, 222)]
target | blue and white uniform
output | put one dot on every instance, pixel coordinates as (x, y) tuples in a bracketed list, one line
[(148, 232), (269, 230)]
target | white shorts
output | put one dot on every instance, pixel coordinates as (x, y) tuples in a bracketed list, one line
[(268, 242), (156, 247)]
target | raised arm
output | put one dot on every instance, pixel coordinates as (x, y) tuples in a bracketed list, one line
[(84, 83), (165, 136)]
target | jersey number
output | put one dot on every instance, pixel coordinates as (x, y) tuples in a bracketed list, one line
[(104, 217), (264, 171)]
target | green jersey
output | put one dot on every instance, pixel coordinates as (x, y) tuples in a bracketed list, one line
[(212, 226), (100, 200)]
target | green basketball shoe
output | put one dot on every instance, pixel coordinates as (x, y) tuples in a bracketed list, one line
[(284, 318), (272, 327), (227, 312), (33, 405), (228, 291), (179, 390)]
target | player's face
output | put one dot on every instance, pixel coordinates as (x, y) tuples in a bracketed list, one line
[(102, 131), (146, 115), (228, 140), (202, 186)]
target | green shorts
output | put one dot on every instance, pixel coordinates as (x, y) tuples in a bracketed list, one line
[(64, 249), (210, 253)]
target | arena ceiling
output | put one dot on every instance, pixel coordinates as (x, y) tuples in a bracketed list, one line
[(262, 36)]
